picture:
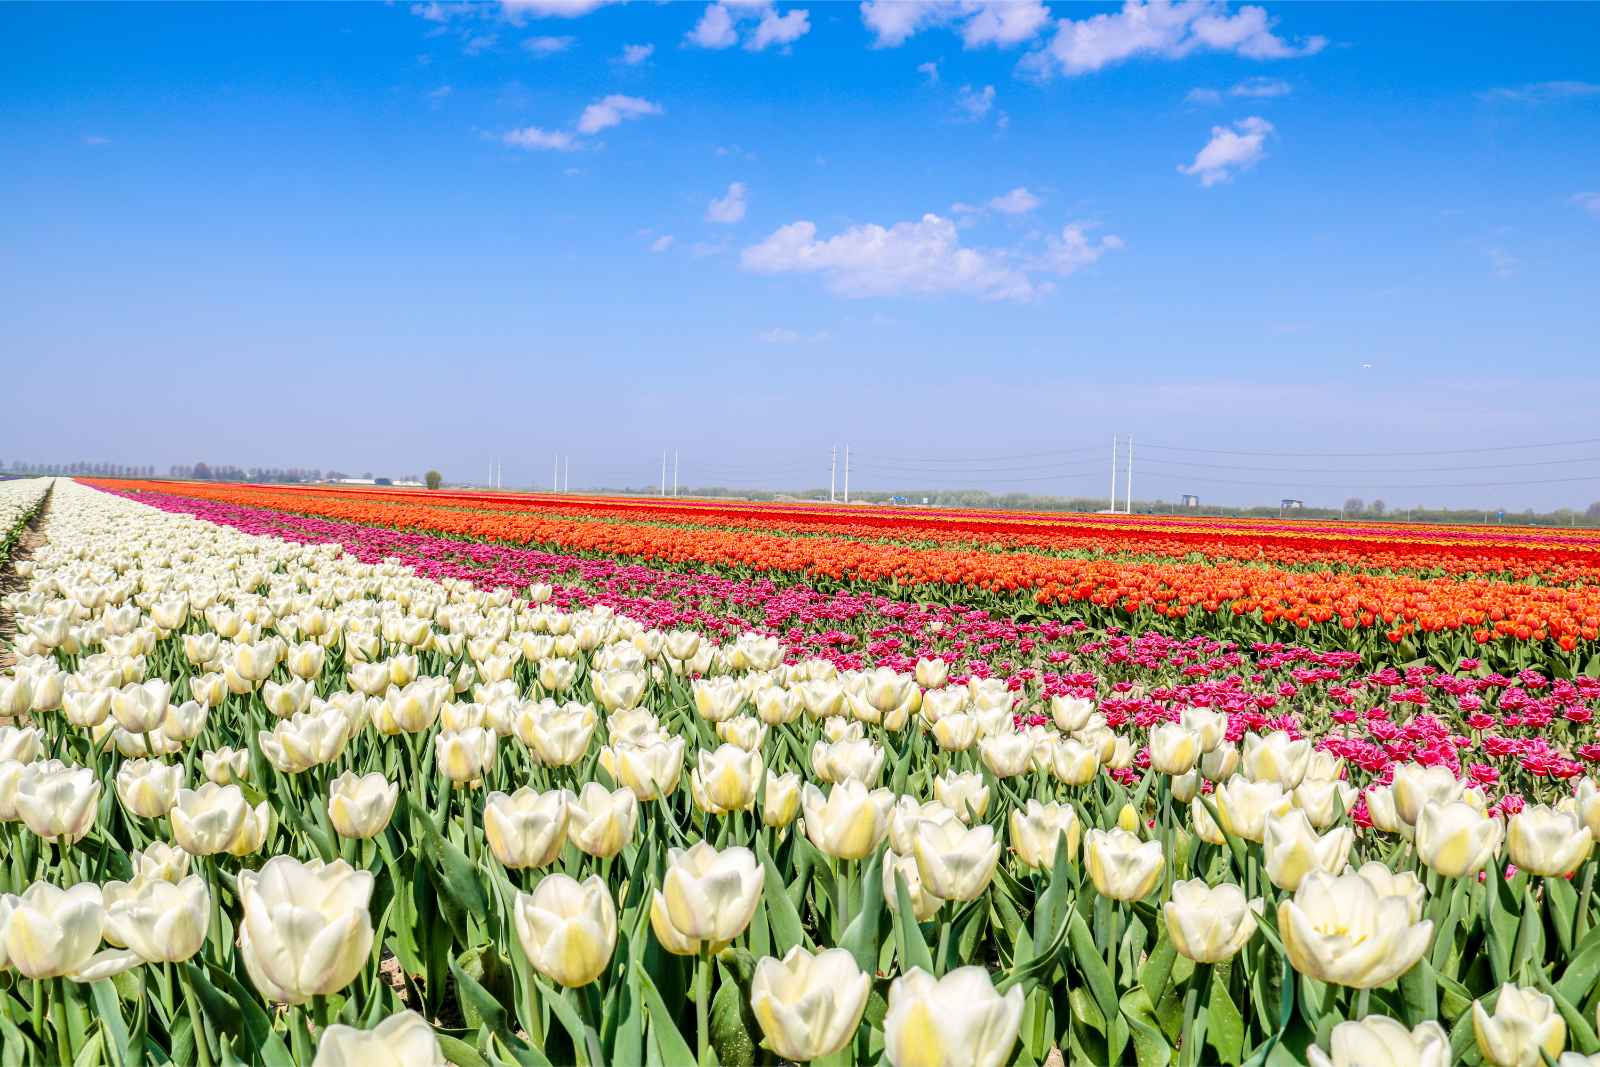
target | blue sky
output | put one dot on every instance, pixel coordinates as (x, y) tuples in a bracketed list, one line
[(402, 236)]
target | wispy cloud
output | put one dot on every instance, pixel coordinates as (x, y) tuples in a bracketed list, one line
[(1161, 29), (532, 137), (730, 207), (548, 46), (1017, 202), (635, 54), (922, 258), (1001, 23), (614, 110), (1541, 92), (1262, 87), (1230, 151), (974, 104), (720, 24), (95, 139), (662, 243), (1590, 202)]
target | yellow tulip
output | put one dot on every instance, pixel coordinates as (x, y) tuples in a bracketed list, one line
[(809, 1006), (1209, 924), (568, 929), (955, 1021)]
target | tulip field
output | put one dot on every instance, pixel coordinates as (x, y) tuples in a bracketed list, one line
[(353, 776)]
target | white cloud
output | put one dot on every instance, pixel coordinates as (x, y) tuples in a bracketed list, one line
[(779, 336), (564, 9), (1539, 92), (715, 29), (1590, 202), (922, 257), (662, 243), (1203, 97), (1005, 24), (95, 139), (930, 71), (1017, 202), (1163, 29), (981, 22), (728, 208), (1266, 87), (614, 110), (548, 46), (479, 43), (1230, 151), (975, 103), (634, 54), (532, 137), (775, 29), (440, 93), (719, 25), (1073, 249)]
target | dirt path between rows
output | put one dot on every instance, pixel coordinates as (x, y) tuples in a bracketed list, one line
[(32, 538)]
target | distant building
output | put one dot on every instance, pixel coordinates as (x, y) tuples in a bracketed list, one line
[(356, 481), (1190, 500), (1286, 504)]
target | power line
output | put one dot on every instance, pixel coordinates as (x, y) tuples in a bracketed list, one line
[(991, 459), (1366, 485), (1376, 455), (1371, 470)]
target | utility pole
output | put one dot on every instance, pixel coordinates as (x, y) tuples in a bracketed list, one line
[(1112, 506), (1129, 509), (663, 472), (847, 474), (833, 469), (567, 481), (674, 473)]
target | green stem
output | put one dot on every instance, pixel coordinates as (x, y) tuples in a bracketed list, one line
[(197, 1025), (1193, 1043), (702, 1010), (58, 1019)]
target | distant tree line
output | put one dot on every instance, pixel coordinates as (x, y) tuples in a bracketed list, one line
[(102, 470)]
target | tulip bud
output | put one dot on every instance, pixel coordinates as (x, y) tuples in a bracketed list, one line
[(809, 1006), (780, 802), (1037, 829), (464, 757), (1455, 840), (149, 788), (1547, 842), (360, 806), (216, 818), (160, 862), (955, 1021), (1209, 727), (849, 822), (1075, 763), (1174, 750), (226, 765), (1070, 713), (558, 734), (404, 1039), (1415, 785), (1128, 819), (164, 922), (140, 708), (526, 828), (600, 822), (1276, 758), (1524, 1030), (1293, 849), (852, 759), (955, 862), (568, 929), (57, 801), (924, 905), (1340, 929), (1243, 806), (1209, 925), (307, 930), (1379, 1041), (1121, 866), (649, 770), (711, 895), (1220, 763), (1006, 755), (963, 793)]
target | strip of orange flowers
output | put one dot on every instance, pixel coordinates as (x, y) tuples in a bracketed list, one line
[(1398, 606), (1559, 556)]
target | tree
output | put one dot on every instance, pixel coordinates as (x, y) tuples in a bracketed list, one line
[(1593, 514), (433, 479), (1353, 506), (1379, 507)]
